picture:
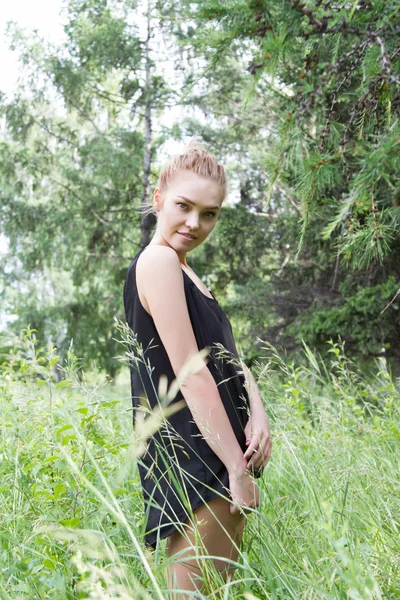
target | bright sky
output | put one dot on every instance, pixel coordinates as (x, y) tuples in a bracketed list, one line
[(40, 14), (43, 15)]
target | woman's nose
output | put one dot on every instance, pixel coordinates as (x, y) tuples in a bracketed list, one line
[(192, 221)]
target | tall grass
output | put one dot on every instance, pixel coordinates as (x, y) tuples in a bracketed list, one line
[(72, 518)]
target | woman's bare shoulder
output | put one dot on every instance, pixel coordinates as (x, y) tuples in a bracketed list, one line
[(157, 267), (156, 253)]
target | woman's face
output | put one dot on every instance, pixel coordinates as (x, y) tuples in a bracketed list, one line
[(190, 205)]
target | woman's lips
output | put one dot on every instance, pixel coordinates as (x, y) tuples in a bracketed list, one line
[(186, 237)]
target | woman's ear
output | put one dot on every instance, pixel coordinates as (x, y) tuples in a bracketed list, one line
[(157, 199)]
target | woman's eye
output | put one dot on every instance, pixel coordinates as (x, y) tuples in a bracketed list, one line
[(209, 215)]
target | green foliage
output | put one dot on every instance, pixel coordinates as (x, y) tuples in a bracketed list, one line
[(72, 509), (308, 115), (331, 74), (299, 102), (359, 315), (48, 428), (72, 180)]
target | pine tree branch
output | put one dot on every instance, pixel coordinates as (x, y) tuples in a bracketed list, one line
[(108, 224), (392, 300)]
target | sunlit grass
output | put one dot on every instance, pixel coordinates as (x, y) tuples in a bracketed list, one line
[(72, 518)]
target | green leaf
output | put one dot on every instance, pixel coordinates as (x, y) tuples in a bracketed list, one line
[(73, 523), (59, 489), (63, 384), (120, 492), (51, 459), (49, 564), (63, 428), (66, 439)]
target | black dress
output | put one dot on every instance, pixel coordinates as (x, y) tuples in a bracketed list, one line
[(179, 471)]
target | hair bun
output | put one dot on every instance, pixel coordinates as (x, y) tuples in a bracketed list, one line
[(192, 145)]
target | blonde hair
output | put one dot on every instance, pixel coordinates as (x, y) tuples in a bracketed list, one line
[(195, 158)]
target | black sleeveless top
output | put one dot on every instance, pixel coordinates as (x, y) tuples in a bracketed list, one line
[(179, 471)]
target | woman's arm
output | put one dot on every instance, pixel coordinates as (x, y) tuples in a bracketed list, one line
[(256, 402), (159, 274), (258, 437)]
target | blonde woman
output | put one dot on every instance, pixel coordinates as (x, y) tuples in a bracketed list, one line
[(198, 471)]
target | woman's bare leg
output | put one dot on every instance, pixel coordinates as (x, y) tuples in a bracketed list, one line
[(221, 534)]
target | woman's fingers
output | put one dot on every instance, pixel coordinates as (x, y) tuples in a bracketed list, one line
[(256, 459), (261, 455), (255, 440)]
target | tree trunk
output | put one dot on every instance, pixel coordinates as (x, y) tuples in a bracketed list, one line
[(146, 219)]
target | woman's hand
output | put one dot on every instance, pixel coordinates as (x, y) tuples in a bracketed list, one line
[(244, 490), (258, 439)]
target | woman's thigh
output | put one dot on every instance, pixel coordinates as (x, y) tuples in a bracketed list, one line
[(214, 531)]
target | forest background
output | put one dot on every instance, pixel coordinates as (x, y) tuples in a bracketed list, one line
[(299, 101)]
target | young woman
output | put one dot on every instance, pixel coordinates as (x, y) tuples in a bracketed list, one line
[(197, 471)]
